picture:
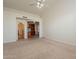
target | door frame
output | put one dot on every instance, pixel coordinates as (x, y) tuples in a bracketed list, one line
[(18, 30), (23, 22), (29, 24), (34, 23)]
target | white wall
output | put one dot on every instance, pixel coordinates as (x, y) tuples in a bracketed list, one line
[(10, 23), (59, 21), (9, 27)]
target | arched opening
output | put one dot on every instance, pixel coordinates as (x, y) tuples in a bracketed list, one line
[(20, 31)]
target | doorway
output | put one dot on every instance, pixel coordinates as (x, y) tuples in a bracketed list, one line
[(20, 31), (33, 29)]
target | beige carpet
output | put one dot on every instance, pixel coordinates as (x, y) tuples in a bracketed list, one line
[(38, 49)]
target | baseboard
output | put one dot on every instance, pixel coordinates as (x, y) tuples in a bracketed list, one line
[(9, 41), (62, 43)]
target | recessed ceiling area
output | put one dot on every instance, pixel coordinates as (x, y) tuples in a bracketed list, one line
[(27, 5)]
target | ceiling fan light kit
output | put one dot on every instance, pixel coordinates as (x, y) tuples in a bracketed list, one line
[(40, 3)]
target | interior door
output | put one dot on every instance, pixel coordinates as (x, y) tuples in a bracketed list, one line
[(31, 32), (20, 31)]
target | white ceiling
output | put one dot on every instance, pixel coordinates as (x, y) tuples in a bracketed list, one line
[(25, 5)]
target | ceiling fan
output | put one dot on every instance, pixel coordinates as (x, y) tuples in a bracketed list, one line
[(38, 3)]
